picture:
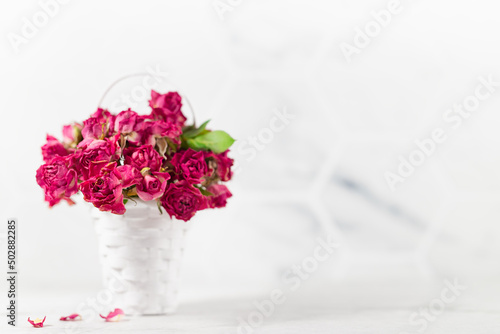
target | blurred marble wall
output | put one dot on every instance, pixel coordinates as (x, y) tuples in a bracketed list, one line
[(317, 132)]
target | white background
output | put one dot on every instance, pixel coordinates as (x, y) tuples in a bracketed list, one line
[(322, 175)]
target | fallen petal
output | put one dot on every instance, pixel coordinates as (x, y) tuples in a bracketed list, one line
[(37, 323), (116, 315), (72, 317)]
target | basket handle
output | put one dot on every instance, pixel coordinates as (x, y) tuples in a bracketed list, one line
[(106, 92)]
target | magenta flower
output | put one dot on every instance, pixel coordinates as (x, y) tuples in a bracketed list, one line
[(125, 121), (72, 133), (111, 158), (152, 186), (219, 197), (167, 107), (58, 180), (171, 101), (105, 116), (53, 148), (99, 125), (97, 151), (224, 164), (128, 175), (146, 132), (94, 129), (182, 200), (190, 165), (142, 157), (104, 191), (166, 129)]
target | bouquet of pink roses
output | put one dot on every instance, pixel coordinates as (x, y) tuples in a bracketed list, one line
[(115, 158)]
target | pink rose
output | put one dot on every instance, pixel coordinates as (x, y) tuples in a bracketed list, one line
[(152, 186), (53, 148), (137, 135), (167, 107), (146, 131), (171, 101), (99, 125), (72, 134), (220, 196), (98, 151), (166, 129), (190, 165), (141, 134), (182, 200), (128, 175), (58, 180), (104, 191), (223, 165), (93, 128), (142, 157), (125, 121), (104, 116)]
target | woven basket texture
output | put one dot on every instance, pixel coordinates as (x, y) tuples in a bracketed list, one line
[(140, 254)]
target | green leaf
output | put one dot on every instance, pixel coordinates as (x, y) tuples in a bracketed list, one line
[(187, 128), (125, 200), (205, 192), (191, 133), (215, 141)]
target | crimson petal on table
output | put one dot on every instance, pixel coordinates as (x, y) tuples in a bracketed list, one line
[(37, 323), (72, 317), (114, 316)]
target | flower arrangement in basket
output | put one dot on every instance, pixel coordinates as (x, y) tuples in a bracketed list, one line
[(112, 159)]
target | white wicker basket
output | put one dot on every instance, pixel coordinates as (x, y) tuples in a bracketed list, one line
[(141, 253)]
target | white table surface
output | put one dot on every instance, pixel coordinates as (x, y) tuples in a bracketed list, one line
[(345, 308), (314, 321)]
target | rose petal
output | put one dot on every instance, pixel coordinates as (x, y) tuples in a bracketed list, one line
[(114, 316), (72, 317), (37, 323)]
